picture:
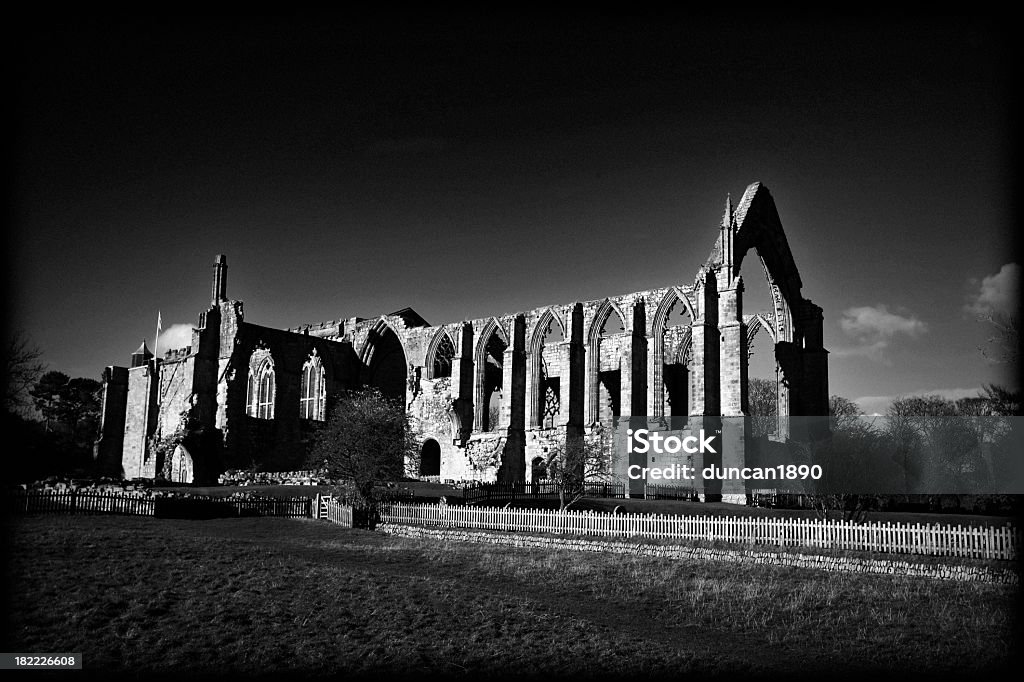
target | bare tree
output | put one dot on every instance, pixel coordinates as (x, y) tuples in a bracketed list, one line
[(844, 412), (762, 402), (938, 442), (1001, 401), (580, 461), (22, 370), (849, 457)]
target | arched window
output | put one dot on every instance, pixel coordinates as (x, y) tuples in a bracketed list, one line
[(260, 394), (444, 351), (314, 389)]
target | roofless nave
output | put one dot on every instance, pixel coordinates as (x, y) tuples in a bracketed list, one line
[(488, 396)]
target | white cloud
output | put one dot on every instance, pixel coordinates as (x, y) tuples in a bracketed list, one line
[(877, 321), (870, 350), (998, 293), (873, 328), (174, 337), (877, 404)]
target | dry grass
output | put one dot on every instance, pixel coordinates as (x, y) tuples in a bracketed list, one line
[(259, 596)]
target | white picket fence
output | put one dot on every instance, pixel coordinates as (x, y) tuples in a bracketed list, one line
[(325, 507), (111, 502), (929, 539), (78, 502)]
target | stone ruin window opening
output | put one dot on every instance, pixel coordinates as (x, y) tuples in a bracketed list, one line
[(312, 400), (552, 398), (385, 363), (494, 362), (763, 373), (550, 403), (758, 300), (611, 340), (261, 387), (444, 353), (182, 470), (677, 384)]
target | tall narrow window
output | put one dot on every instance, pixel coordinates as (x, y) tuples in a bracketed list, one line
[(261, 389), (250, 395), (266, 406), (314, 389)]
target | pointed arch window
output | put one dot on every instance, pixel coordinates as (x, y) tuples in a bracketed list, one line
[(312, 399), (444, 352), (261, 389)]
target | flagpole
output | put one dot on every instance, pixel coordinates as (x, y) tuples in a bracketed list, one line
[(156, 344), (156, 358)]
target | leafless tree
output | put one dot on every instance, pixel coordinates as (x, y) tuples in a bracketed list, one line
[(580, 461), (762, 402), (844, 412), (22, 370)]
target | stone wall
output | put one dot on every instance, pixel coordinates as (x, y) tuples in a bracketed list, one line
[(140, 422), (280, 443), (109, 447)]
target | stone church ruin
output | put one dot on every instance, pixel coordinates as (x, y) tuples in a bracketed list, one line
[(488, 397)]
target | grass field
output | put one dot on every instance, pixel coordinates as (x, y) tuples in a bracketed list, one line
[(261, 596)]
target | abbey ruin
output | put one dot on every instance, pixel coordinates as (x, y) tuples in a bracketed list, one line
[(488, 397)]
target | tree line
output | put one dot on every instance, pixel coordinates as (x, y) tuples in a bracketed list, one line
[(51, 419), (934, 446)]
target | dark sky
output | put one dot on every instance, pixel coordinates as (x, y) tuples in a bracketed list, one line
[(475, 169)]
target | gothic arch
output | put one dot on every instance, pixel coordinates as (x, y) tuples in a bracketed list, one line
[(757, 226), (182, 467), (673, 296), (656, 371), (380, 328), (535, 391), (757, 322), (492, 327), (313, 388), (601, 316), (593, 362), (684, 352), (261, 386), (441, 340), (385, 361), (540, 329), (800, 357), (481, 383)]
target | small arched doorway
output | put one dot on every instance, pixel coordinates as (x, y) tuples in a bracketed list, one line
[(430, 458), (181, 466)]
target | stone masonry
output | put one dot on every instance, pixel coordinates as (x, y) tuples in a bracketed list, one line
[(489, 397)]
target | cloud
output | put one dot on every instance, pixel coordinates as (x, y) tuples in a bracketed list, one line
[(879, 322), (174, 337), (873, 328), (998, 293), (877, 404)]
